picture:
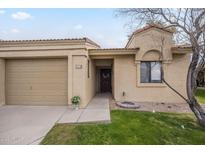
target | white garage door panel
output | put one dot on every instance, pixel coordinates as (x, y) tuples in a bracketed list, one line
[(36, 82)]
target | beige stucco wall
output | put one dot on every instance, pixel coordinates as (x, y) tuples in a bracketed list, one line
[(2, 82), (155, 45), (152, 39), (126, 77), (90, 88), (79, 77), (103, 62)]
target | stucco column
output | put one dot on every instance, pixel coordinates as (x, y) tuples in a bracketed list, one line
[(2, 82), (137, 64), (70, 78)]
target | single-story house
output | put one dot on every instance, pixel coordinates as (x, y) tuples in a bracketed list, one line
[(51, 72)]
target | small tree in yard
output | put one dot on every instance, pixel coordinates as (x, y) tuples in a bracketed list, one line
[(190, 29)]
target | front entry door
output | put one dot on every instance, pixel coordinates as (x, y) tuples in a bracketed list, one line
[(105, 80)]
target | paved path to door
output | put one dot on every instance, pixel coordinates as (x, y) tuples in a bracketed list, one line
[(29, 124), (97, 111)]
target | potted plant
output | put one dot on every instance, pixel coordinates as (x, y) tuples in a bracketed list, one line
[(75, 101)]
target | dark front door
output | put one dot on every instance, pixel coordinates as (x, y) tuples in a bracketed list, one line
[(105, 80)]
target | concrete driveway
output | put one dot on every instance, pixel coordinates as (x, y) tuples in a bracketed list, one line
[(27, 124)]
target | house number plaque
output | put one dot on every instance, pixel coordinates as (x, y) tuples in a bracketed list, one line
[(77, 66)]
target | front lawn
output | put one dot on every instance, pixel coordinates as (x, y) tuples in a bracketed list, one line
[(130, 127), (200, 95)]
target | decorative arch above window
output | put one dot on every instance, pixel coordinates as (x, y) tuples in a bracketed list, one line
[(152, 55)]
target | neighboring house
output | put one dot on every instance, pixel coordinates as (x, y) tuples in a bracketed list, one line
[(50, 72)]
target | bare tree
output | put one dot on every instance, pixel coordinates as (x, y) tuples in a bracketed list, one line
[(189, 24)]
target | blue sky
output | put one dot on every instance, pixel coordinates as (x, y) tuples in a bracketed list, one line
[(100, 25)]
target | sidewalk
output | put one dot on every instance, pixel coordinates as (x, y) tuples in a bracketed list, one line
[(96, 111)]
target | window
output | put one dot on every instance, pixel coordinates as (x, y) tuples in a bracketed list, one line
[(150, 72)]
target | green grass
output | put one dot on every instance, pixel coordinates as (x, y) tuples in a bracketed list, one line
[(130, 127), (200, 95)]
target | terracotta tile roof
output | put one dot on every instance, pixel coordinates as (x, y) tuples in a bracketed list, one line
[(152, 26), (50, 40), (38, 40), (114, 49), (185, 46), (181, 49)]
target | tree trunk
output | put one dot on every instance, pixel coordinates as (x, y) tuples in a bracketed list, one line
[(191, 87)]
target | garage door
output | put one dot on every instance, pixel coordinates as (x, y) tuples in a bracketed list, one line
[(36, 82)]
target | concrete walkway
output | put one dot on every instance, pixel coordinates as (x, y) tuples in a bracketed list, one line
[(97, 111), (29, 124)]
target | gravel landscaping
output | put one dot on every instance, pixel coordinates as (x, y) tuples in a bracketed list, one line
[(157, 107)]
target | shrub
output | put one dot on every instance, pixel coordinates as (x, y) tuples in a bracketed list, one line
[(75, 100)]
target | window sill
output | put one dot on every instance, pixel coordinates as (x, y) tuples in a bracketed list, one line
[(152, 85)]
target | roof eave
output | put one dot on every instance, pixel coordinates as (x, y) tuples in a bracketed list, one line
[(122, 51), (16, 43), (181, 50)]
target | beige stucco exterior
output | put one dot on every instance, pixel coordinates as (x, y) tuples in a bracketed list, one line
[(146, 45), (127, 73)]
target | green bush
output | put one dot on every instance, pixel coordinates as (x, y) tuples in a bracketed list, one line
[(75, 100)]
